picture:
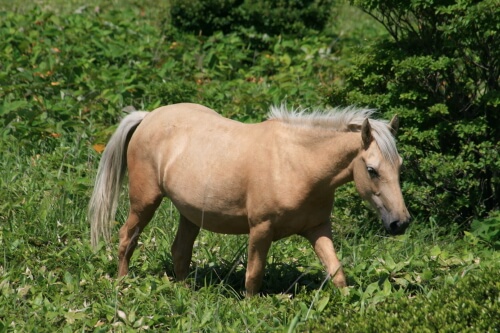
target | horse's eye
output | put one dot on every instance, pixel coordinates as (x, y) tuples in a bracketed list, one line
[(372, 172)]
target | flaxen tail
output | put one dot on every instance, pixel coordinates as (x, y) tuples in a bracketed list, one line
[(110, 174)]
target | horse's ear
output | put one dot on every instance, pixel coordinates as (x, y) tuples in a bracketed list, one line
[(394, 125), (366, 133)]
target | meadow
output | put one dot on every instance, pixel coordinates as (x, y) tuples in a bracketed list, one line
[(69, 70)]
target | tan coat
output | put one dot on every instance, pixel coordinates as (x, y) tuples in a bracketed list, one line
[(270, 180)]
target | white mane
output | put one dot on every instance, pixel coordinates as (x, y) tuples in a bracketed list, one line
[(347, 119)]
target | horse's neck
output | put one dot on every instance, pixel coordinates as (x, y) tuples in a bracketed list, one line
[(327, 152)]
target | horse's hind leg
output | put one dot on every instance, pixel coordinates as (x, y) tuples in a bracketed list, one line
[(144, 200), (182, 248)]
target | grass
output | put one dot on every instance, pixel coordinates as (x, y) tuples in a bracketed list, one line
[(51, 280), (430, 279)]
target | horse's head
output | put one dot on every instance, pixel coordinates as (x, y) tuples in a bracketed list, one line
[(376, 175)]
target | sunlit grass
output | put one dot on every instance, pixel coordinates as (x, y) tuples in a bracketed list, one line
[(48, 268)]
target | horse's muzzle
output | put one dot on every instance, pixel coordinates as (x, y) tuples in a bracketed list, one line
[(398, 227)]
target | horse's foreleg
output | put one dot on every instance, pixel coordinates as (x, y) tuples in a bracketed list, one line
[(139, 216), (182, 248), (258, 245), (320, 238)]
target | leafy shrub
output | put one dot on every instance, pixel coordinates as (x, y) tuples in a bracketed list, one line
[(465, 306), (62, 72), (488, 229), (271, 17), (440, 73), (63, 75)]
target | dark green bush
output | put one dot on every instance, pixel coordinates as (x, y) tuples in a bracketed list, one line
[(204, 17), (440, 73), (272, 17)]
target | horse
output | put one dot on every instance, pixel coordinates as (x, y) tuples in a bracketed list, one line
[(270, 179)]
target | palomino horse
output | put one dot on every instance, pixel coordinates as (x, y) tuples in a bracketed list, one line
[(269, 180)]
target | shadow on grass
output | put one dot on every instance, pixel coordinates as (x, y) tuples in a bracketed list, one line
[(279, 278)]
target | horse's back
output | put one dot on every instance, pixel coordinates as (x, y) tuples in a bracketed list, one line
[(186, 116), (185, 108), (183, 131)]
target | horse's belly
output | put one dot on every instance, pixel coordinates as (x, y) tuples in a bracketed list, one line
[(216, 222), (216, 202)]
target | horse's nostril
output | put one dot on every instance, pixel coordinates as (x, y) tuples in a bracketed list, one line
[(398, 227), (394, 225)]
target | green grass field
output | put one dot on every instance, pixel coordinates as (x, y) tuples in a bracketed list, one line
[(65, 78)]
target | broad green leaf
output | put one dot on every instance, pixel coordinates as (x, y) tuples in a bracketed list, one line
[(322, 303), (8, 107)]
